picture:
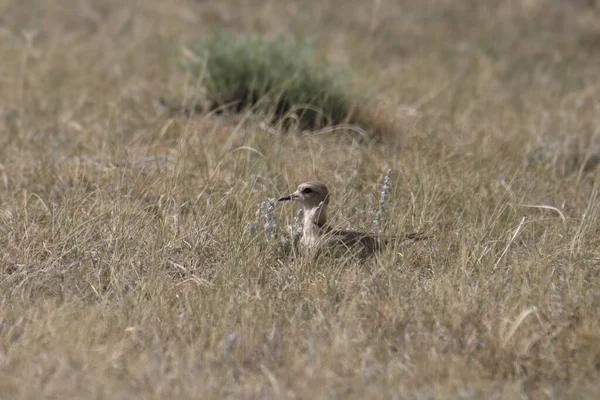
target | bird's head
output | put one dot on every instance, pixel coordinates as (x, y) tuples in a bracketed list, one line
[(309, 194)]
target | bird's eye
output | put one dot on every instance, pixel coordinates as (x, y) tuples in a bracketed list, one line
[(307, 190)]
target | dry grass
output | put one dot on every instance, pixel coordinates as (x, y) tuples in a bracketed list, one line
[(126, 270)]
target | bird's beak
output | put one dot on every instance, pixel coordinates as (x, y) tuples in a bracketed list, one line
[(293, 196)]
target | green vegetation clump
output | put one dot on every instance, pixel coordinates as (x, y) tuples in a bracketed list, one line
[(279, 74)]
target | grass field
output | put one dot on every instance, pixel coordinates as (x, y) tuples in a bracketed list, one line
[(126, 270)]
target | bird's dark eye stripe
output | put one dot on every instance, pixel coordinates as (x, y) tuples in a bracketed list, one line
[(307, 190)]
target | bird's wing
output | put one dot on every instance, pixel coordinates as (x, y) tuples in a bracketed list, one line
[(371, 241), (351, 238), (352, 234)]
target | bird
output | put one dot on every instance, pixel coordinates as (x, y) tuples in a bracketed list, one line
[(318, 236)]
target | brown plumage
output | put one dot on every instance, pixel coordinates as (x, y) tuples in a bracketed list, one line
[(318, 236)]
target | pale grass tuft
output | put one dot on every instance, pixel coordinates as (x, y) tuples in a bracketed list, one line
[(385, 194), (255, 226), (271, 228)]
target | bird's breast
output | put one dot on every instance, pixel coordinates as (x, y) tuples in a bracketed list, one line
[(310, 235)]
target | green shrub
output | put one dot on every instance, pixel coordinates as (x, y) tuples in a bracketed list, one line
[(281, 74)]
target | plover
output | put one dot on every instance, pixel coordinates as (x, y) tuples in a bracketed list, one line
[(318, 236)]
